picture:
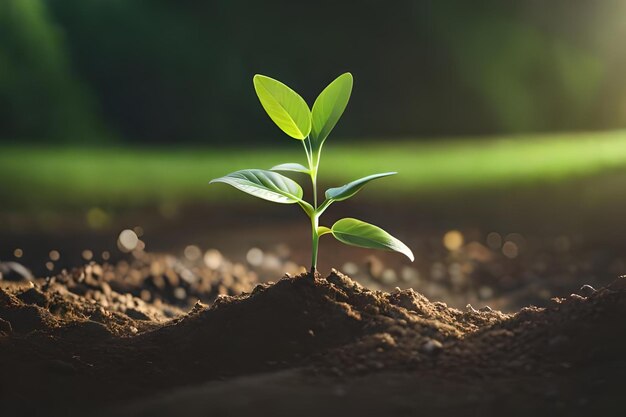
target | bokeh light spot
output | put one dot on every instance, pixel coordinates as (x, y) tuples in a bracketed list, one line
[(127, 241), (494, 241), (254, 256), (213, 258), (350, 268), (453, 240), (192, 252), (510, 249), (97, 218)]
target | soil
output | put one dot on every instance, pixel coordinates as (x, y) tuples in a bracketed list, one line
[(127, 339), (519, 255)]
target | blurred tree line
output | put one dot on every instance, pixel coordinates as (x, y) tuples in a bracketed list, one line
[(159, 71)]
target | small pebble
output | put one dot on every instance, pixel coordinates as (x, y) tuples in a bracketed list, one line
[(432, 346)]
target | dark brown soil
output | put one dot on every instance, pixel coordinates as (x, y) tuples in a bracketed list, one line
[(82, 343)]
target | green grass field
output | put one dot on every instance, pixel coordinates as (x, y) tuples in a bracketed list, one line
[(36, 178)]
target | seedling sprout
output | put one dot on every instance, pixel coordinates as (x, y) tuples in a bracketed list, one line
[(311, 127)]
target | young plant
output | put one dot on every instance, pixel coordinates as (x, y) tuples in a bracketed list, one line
[(311, 127)]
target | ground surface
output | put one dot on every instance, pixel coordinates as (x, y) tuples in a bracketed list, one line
[(124, 339)]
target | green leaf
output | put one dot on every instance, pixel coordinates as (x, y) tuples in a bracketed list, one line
[(358, 233), (322, 230), (291, 166), (329, 107), (346, 191), (284, 106), (264, 184)]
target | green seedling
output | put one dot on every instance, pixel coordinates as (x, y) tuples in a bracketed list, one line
[(311, 127)]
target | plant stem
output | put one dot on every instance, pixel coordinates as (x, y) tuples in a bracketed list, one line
[(314, 243), (314, 182), (313, 166), (313, 160), (306, 150), (314, 223)]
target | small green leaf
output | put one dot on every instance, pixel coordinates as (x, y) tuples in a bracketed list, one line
[(346, 191), (291, 166), (322, 230), (329, 107), (284, 106), (263, 184), (358, 233)]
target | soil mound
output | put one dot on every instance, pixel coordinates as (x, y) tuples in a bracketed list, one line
[(75, 349)]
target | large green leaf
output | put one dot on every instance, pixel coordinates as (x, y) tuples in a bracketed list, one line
[(291, 166), (284, 106), (358, 233), (329, 107), (267, 185), (350, 189)]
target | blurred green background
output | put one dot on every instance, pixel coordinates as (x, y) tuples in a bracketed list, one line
[(163, 72), (118, 104)]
